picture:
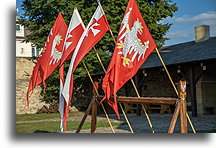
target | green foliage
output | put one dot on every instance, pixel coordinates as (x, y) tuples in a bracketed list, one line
[(39, 16)]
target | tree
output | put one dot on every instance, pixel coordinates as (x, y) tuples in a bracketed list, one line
[(39, 16)]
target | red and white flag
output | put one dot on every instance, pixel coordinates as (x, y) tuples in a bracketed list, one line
[(50, 56), (95, 30), (75, 30), (134, 44)]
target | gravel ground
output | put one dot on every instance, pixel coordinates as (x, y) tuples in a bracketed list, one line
[(140, 124), (160, 124)]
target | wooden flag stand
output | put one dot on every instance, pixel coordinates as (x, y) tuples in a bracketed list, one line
[(179, 102), (180, 105), (179, 109)]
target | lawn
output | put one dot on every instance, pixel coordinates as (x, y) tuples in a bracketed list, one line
[(52, 126), (30, 117)]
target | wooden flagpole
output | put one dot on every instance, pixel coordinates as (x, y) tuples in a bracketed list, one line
[(126, 118), (173, 86), (149, 121), (175, 116), (119, 103), (166, 71), (98, 94), (100, 60)]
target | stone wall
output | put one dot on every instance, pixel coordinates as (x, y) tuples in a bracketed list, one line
[(155, 84), (24, 67)]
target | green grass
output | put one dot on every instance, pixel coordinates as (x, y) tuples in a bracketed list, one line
[(53, 126), (29, 117)]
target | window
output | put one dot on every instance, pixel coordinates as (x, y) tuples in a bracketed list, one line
[(17, 27), (22, 50), (33, 51)]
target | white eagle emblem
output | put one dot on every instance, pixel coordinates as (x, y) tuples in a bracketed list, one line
[(55, 54), (131, 40)]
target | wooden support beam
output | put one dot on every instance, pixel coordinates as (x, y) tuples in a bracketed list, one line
[(183, 109), (175, 116), (180, 108), (138, 106), (183, 116), (86, 114), (96, 91), (126, 89), (197, 78), (192, 81), (193, 91), (94, 117), (143, 100), (141, 79)]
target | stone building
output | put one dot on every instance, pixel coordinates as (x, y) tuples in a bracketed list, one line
[(195, 62), (24, 49), (25, 53)]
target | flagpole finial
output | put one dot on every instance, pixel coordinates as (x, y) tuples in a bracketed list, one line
[(98, 2)]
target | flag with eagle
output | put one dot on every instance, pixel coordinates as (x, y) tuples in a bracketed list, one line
[(134, 44), (50, 56)]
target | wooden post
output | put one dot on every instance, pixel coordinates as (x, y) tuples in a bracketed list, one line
[(96, 91), (175, 116), (94, 117), (184, 119), (85, 115), (193, 91), (138, 106), (183, 109), (177, 91), (94, 111)]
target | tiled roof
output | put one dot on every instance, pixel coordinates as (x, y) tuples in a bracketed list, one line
[(183, 53)]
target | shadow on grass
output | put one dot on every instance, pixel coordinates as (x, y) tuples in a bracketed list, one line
[(41, 131)]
